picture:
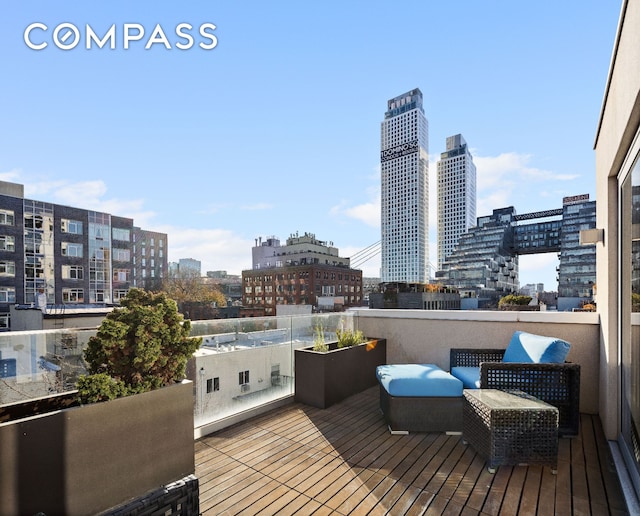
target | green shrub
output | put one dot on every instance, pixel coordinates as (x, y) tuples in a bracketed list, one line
[(142, 345), (100, 387), (514, 299)]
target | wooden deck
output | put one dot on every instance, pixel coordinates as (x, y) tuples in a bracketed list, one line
[(342, 460)]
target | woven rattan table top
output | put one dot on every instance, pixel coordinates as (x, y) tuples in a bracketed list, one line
[(500, 400)]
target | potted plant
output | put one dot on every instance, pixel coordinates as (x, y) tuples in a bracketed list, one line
[(348, 338), (127, 431), (329, 372)]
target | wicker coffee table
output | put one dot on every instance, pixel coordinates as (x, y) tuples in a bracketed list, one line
[(510, 428)]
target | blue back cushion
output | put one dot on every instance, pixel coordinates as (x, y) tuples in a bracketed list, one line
[(536, 349)]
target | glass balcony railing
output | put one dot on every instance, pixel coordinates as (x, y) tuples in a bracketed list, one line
[(248, 363), (242, 363), (39, 363)]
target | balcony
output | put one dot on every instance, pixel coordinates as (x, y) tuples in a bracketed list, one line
[(255, 449), (294, 457), (343, 460)]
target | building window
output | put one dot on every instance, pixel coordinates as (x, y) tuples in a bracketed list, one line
[(71, 226), (7, 295), (4, 321), (7, 268), (121, 255), (118, 294), (72, 295), (69, 249), (7, 243), (33, 221), (243, 377), (121, 275), (7, 217), (121, 234), (213, 384), (75, 272)]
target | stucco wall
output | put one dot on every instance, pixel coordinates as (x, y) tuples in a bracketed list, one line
[(619, 122), (418, 336)]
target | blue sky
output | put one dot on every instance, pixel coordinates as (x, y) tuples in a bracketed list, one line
[(277, 128)]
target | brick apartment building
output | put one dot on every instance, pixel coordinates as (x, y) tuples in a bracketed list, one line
[(305, 271)]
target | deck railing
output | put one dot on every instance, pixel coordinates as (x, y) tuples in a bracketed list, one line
[(247, 365)]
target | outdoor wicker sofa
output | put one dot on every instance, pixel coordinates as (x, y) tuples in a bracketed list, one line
[(555, 383)]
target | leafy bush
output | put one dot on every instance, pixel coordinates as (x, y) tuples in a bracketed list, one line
[(514, 299), (142, 345), (100, 387)]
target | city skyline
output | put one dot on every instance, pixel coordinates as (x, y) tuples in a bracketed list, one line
[(276, 129)]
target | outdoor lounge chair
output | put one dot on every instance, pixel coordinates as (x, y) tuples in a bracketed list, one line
[(541, 373)]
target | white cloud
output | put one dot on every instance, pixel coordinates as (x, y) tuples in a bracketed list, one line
[(498, 177), (11, 176), (88, 195), (217, 249), (367, 212)]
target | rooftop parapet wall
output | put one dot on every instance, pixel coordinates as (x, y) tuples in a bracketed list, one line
[(418, 336)]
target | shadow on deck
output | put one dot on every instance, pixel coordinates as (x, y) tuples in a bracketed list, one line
[(343, 460)]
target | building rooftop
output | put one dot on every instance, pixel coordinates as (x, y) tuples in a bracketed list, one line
[(343, 460)]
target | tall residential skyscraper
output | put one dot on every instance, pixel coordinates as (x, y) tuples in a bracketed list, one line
[(456, 195), (404, 163)]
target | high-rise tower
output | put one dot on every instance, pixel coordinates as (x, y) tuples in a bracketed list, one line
[(404, 163), (456, 195)]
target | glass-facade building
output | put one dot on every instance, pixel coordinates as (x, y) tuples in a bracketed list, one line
[(404, 164), (456, 195), (53, 256), (577, 268), (484, 264)]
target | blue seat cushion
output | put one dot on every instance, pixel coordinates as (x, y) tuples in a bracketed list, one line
[(469, 376), (421, 380), (535, 349)]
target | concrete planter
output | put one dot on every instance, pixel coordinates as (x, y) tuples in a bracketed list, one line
[(323, 379), (88, 459)]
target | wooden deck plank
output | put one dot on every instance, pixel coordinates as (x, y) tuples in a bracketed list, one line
[(531, 489), (497, 490), (579, 487), (615, 498), (406, 501), (270, 502), (430, 475), (350, 503), (343, 460), (546, 495), (513, 494), (421, 504), (468, 482), (443, 474), (340, 483)]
